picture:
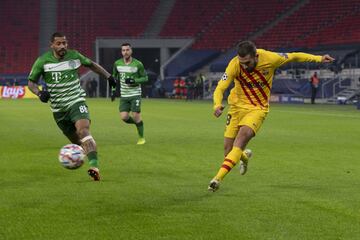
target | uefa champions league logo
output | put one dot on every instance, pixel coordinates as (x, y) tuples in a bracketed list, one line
[(224, 77)]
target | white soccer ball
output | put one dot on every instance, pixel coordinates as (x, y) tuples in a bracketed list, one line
[(71, 156)]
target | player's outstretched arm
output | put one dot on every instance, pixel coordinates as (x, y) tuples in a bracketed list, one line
[(327, 59), (280, 59)]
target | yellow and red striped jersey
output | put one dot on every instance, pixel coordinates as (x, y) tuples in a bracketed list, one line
[(252, 89)]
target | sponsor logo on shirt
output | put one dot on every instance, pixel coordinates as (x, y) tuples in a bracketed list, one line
[(255, 84), (127, 69), (62, 66)]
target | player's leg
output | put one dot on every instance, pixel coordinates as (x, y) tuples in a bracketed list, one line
[(89, 145), (87, 141), (249, 123), (228, 145), (124, 109), (136, 109), (64, 122), (231, 130), (233, 157), (125, 116), (69, 130), (139, 127), (80, 117), (253, 120)]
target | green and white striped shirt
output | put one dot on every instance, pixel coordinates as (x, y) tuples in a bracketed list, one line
[(61, 78), (135, 69)]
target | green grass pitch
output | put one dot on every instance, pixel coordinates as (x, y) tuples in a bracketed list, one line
[(303, 180)]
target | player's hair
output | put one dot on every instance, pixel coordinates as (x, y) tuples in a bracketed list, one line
[(126, 44), (55, 35), (245, 48)]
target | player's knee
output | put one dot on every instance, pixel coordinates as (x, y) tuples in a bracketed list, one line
[(247, 132), (124, 117), (137, 120), (83, 132), (250, 134)]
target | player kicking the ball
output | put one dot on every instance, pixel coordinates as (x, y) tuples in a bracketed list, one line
[(252, 71), (59, 69)]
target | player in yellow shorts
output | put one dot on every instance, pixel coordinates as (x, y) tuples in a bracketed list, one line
[(243, 117), (252, 72)]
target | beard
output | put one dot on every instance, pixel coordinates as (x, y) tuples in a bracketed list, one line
[(251, 69), (61, 52)]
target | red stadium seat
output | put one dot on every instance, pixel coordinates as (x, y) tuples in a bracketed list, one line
[(314, 24), (19, 42)]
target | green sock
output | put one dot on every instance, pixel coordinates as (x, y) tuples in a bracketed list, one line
[(140, 128), (130, 120), (93, 161)]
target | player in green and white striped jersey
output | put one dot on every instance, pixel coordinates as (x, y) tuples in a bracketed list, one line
[(131, 74), (59, 69)]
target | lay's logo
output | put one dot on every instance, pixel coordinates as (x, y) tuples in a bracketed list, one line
[(12, 92)]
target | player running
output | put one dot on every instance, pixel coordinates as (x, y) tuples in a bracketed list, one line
[(252, 71), (131, 74), (59, 69)]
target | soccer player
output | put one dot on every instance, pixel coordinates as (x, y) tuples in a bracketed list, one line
[(252, 71), (59, 69), (131, 74)]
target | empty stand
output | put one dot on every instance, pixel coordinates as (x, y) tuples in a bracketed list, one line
[(83, 21), (345, 31), (19, 35), (241, 19), (216, 24), (188, 17), (317, 22)]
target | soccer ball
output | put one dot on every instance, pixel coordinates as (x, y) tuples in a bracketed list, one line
[(71, 156)]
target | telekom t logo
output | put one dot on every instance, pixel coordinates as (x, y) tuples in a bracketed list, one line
[(56, 76)]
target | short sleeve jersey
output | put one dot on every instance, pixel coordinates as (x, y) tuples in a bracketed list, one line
[(61, 78)]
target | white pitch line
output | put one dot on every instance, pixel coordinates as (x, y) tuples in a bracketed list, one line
[(320, 114)]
